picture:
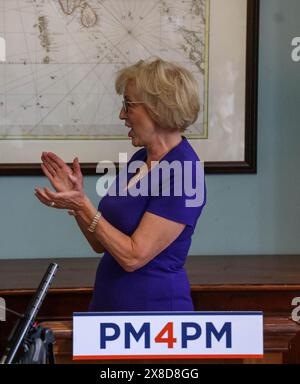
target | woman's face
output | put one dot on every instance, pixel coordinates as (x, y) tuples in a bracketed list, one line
[(142, 128)]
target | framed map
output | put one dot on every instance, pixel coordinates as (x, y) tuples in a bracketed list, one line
[(57, 79)]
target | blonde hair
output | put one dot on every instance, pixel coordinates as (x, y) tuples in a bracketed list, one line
[(169, 91)]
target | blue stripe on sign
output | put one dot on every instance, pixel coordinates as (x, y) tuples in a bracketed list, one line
[(224, 313)]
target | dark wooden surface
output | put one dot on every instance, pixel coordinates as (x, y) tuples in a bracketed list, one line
[(229, 283), (267, 283), (205, 272)]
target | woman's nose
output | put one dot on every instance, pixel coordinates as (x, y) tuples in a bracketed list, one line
[(122, 114)]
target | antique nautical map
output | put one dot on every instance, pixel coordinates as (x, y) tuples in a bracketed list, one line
[(57, 81)]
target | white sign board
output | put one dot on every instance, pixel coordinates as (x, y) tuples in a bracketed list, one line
[(138, 335)]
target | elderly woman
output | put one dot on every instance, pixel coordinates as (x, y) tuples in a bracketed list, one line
[(145, 238)]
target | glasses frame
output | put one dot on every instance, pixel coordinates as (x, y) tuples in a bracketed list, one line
[(126, 104)]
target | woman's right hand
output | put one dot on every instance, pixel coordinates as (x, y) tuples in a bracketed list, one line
[(58, 172)]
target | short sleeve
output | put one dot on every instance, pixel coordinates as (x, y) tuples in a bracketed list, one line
[(174, 198)]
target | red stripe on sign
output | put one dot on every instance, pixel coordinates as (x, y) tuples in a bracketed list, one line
[(168, 357)]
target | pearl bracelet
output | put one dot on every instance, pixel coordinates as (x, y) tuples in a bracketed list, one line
[(94, 223)]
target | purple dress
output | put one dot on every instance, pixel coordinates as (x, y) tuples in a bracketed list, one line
[(162, 284)]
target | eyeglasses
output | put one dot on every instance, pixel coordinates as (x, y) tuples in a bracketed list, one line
[(126, 104)]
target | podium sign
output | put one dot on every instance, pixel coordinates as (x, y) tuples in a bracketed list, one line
[(158, 335)]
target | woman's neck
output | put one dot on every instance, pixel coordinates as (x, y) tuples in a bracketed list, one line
[(161, 146)]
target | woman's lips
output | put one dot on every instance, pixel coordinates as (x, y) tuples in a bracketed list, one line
[(130, 133)]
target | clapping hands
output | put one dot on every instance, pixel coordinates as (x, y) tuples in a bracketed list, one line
[(67, 182)]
